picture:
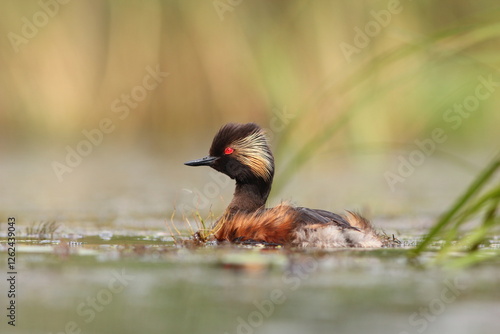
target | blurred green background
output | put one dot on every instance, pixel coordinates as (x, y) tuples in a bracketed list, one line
[(345, 88)]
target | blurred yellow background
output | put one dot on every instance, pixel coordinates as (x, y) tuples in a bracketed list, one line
[(360, 81)]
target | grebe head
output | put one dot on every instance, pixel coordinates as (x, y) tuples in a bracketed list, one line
[(241, 152)]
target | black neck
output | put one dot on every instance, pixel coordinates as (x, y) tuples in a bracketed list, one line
[(249, 197)]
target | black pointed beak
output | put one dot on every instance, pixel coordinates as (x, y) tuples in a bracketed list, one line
[(206, 161)]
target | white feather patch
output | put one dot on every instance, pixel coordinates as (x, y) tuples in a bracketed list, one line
[(333, 237)]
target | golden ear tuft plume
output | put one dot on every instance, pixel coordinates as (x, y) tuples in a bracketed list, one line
[(253, 151)]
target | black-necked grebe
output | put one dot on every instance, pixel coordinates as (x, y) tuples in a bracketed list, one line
[(241, 151)]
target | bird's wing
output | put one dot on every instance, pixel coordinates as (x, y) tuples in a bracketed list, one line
[(315, 216)]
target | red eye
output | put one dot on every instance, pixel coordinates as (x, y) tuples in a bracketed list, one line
[(228, 150)]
